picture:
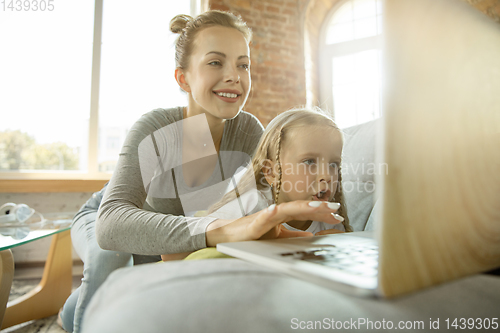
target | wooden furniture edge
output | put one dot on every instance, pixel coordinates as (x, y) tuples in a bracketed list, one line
[(50, 185), (55, 287)]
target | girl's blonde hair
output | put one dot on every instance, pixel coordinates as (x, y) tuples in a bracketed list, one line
[(269, 148), (188, 27)]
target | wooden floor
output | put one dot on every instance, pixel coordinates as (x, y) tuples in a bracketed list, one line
[(23, 283)]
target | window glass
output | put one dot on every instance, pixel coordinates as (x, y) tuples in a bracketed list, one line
[(45, 81), (352, 48), (45, 66), (354, 20), (137, 68), (356, 87)]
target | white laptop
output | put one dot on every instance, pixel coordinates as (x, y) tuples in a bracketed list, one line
[(440, 217), (338, 262)]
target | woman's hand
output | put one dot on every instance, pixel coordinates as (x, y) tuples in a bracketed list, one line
[(267, 223)]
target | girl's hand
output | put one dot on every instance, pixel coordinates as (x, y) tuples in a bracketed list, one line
[(328, 231), (175, 256), (267, 222), (280, 231)]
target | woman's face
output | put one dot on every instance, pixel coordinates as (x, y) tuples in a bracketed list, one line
[(218, 77)]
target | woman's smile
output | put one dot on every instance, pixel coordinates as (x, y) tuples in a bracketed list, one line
[(228, 95)]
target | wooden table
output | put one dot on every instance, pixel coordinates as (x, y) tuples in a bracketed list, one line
[(49, 296)]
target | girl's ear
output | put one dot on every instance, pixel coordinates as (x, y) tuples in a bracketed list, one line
[(267, 170), (180, 77)]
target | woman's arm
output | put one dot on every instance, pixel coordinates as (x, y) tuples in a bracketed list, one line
[(125, 221), (265, 224)]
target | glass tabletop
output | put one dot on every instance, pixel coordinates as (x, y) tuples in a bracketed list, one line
[(15, 234)]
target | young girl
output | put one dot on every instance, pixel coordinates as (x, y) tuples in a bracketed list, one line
[(298, 158)]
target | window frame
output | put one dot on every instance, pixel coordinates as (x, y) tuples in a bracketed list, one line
[(328, 51), (77, 181)]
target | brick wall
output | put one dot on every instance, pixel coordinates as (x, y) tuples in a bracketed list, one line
[(277, 53)]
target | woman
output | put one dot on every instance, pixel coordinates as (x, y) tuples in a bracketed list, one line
[(176, 163)]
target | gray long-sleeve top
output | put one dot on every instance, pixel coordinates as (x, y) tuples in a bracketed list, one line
[(146, 204)]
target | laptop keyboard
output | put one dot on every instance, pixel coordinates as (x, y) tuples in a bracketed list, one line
[(357, 259)]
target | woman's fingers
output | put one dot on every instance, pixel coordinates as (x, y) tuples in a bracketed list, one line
[(297, 210), (310, 210)]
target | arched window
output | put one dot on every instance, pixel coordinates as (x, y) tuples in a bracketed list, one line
[(350, 56)]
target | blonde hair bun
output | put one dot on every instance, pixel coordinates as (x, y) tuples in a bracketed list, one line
[(187, 27), (179, 22)]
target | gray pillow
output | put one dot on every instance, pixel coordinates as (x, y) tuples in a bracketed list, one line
[(359, 167)]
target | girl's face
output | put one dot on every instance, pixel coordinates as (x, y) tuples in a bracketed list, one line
[(310, 159), (218, 76)]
